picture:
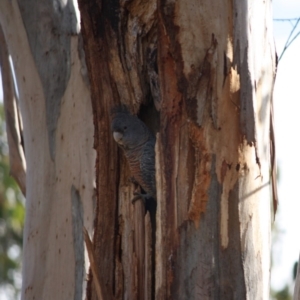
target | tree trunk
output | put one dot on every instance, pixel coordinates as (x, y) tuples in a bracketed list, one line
[(296, 295), (200, 75), (54, 99)]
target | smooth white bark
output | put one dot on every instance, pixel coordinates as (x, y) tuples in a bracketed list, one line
[(59, 198)]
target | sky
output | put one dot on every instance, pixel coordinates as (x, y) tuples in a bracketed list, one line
[(286, 111)]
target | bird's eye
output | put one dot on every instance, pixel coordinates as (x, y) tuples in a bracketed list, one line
[(125, 127)]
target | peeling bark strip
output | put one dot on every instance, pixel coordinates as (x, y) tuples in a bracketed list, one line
[(12, 117), (202, 179), (202, 87), (93, 264), (77, 222), (197, 65)]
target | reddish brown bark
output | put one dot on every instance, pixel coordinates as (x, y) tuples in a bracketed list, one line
[(208, 150)]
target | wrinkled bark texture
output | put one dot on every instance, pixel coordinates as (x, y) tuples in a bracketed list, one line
[(200, 75), (54, 100)]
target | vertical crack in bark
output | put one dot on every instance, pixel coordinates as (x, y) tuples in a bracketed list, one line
[(117, 286), (151, 208)]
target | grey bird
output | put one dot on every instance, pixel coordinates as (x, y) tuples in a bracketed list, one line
[(137, 141)]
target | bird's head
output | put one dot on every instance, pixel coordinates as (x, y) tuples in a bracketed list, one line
[(128, 130)]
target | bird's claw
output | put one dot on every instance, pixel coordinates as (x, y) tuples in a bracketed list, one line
[(132, 180), (139, 196)]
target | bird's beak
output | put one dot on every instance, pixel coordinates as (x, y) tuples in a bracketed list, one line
[(118, 137)]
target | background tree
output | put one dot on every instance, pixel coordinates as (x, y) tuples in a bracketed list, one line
[(286, 33), (292, 36), (297, 284), (200, 75)]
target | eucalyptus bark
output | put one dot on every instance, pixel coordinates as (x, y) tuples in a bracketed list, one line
[(200, 75), (54, 100)]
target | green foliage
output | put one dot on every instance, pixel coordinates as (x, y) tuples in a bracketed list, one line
[(11, 215), (283, 294)]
